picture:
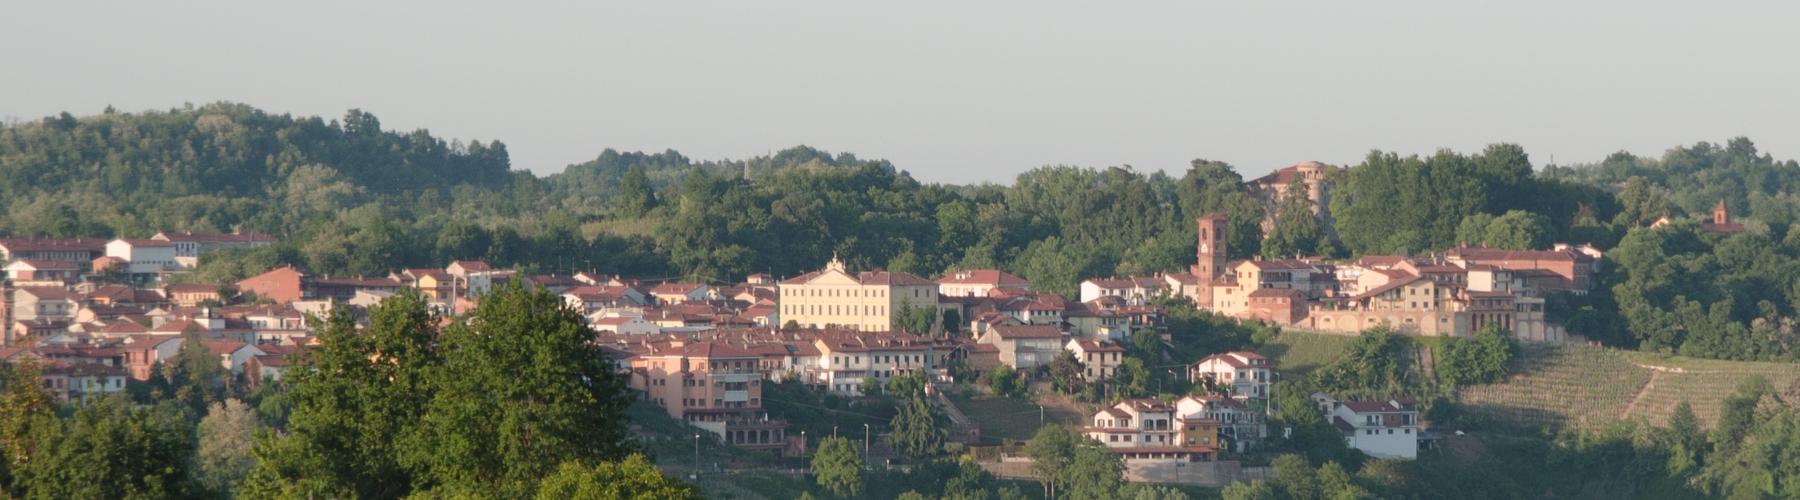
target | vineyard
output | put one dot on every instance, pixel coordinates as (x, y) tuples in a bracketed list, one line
[(1582, 386)]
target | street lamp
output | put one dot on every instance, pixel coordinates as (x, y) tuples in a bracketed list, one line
[(865, 445), (696, 455)]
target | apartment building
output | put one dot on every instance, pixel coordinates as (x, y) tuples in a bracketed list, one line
[(711, 385)]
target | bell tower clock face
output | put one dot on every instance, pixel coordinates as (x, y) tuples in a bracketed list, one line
[(1204, 249)]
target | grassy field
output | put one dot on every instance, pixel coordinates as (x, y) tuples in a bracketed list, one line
[(1582, 386), (1299, 353), (645, 226), (1008, 418)]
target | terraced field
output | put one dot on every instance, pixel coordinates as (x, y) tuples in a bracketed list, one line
[(1582, 386)]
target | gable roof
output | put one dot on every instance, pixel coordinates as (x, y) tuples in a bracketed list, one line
[(1010, 332)]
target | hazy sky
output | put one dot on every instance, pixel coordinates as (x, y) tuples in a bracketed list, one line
[(951, 91)]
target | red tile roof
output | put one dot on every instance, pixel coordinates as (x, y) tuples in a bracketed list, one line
[(216, 238)]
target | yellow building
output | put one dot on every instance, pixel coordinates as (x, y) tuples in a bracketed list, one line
[(863, 301)]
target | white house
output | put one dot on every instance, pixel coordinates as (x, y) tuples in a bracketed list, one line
[(49, 272), (1245, 374), (1134, 290), (623, 325), (1099, 359), (476, 276), (143, 256), (233, 355), (1134, 422), (1381, 429)]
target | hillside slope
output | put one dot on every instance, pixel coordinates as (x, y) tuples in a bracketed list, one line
[(1582, 386)]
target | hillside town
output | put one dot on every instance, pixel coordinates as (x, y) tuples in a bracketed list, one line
[(105, 313)]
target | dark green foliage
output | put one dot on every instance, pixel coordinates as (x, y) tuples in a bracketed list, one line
[(1066, 373), (521, 388), (1004, 381), (918, 430), (1297, 230), (635, 196), (110, 450), (1481, 360), (492, 404), (838, 467), (1376, 364), (634, 478)]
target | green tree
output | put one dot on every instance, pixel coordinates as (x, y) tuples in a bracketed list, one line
[(917, 429), (110, 450), (1052, 450), (635, 196), (1297, 230), (1473, 230), (1686, 440), (1066, 373), (1519, 230), (1255, 489), (838, 467), (521, 389), (1295, 477), (355, 397), (227, 435), (1093, 473), (24, 406), (1132, 378), (634, 478)]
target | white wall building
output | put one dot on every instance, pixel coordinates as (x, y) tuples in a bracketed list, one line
[(143, 256), (1381, 429)]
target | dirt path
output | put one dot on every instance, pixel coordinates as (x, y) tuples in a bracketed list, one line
[(1642, 391)]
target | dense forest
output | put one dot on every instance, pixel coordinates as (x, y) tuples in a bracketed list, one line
[(348, 197)]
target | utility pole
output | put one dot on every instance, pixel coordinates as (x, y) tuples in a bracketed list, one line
[(1040, 416)]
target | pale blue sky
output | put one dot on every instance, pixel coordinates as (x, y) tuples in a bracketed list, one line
[(953, 91)]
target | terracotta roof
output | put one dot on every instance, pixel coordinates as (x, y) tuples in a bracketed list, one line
[(219, 347), (122, 327), (193, 288), (1286, 175), (215, 238), (16, 245), (1010, 332), (676, 288), (48, 293), (1495, 254), (1384, 288)]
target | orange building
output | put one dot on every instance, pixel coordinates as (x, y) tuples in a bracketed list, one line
[(710, 385)]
